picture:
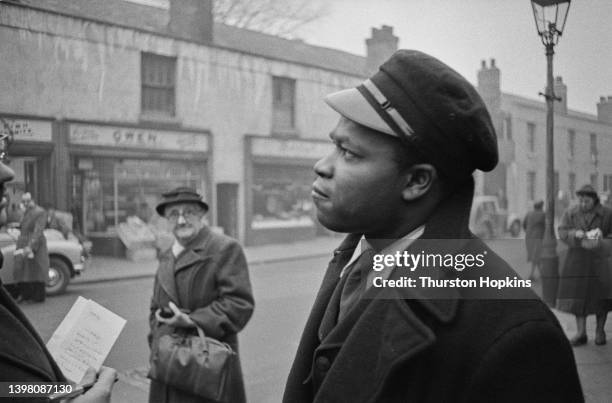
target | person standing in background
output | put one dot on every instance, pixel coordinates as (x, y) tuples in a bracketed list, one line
[(533, 224), (204, 280), (32, 263), (584, 287)]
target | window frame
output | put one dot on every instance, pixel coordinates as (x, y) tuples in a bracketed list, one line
[(152, 64), (284, 102)]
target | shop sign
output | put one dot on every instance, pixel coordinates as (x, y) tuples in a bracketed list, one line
[(269, 147), (26, 129), (112, 136)]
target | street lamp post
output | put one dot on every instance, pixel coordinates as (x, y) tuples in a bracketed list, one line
[(550, 17)]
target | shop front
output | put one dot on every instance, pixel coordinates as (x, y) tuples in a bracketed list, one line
[(119, 173), (279, 176), (31, 156)]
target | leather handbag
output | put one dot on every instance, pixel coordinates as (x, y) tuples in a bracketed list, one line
[(196, 364)]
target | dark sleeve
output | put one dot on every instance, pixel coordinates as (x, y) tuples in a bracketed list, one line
[(40, 222), (154, 306), (532, 362), (567, 230), (231, 311)]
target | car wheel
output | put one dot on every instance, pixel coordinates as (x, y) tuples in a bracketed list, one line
[(59, 276), (515, 228)]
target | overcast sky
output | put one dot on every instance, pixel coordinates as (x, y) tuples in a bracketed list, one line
[(463, 32)]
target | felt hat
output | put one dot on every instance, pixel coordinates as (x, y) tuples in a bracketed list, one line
[(180, 195), (588, 190)]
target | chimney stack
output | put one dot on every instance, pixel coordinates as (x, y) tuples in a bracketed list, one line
[(489, 85), (604, 110), (380, 47), (191, 20), (560, 90)]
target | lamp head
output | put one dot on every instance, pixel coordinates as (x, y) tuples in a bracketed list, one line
[(550, 17)]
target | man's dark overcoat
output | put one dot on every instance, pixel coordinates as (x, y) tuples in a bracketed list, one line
[(23, 355), (32, 235), (454, 348), (210, 280), (585, 286), (534, 233)]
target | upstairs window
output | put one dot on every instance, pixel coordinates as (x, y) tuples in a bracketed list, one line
[(283, 104), (531, 136), (507, 128), (594, 180), (531, 182), (571, 143), (158, 85), (593, 148)]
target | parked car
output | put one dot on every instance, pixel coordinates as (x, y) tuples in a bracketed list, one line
[(67, 259), (488, 220)]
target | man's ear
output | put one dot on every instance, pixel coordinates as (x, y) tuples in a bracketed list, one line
[(419, 180)]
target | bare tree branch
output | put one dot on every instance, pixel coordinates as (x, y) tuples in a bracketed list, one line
[(276, 17)]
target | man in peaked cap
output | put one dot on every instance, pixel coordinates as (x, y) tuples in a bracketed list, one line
[(202, 281), (400, 180)]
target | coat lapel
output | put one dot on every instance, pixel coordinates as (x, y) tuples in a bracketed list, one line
[(169, 265), (165, 276), (194, 251)]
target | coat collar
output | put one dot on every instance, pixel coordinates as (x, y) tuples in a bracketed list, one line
[(390, 326), (195, 252)]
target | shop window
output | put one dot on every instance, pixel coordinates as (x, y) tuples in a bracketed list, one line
[(158, 84), (113, 191), (281, 197), (283, 104)]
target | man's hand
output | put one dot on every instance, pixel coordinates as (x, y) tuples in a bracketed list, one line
[(179, 319), (101, 391)]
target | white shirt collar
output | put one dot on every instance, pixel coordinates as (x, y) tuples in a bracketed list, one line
[(399, 245), (177, 248)]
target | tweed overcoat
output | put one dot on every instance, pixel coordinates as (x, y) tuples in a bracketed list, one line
[(210, 281), (445, 347), (32, 235), (23, 355), (585, 286)]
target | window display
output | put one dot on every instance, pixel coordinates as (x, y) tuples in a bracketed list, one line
[(115, 191), (281, 197)]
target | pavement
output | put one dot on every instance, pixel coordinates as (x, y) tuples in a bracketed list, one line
[(594, 362), (102, 268)]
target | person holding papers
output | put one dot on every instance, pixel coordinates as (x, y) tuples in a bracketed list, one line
[(23, 355), (202, 281)]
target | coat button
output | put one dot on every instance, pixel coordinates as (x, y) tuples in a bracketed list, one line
[(322, 363)]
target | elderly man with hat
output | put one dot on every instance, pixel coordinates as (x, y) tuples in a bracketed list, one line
[(585, 287), (202, 281), (400, 180)]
